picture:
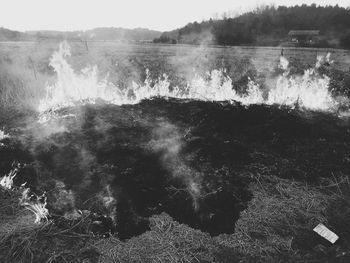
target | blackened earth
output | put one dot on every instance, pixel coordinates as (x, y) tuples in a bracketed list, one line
[(193, 160)]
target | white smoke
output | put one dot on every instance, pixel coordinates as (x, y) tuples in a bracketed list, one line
[(169, 141)]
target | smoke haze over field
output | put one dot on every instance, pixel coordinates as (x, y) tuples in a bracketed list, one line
[(160, 15)]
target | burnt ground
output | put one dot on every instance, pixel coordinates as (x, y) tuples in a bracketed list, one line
[(195, 161)]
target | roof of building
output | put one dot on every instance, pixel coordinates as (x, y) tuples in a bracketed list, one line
[(304, 32)]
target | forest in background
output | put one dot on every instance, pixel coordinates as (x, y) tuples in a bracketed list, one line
[(263, 26), (268, 26), (96, 34)]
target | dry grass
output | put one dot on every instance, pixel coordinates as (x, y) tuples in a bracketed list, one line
[(21, 240), (275, 219), (19, 87), (276, 226), (25, 70), (168, 241), (23, 75), (13, 217)]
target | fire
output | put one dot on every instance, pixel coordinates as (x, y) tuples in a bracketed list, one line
[(3, 135), (35, 204), (32, 202), (7, 180), (309, 91), (71, 88), (218, 87)]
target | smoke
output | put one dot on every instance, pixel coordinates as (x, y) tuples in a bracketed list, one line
[(208, 82), (168, 140), (309, 90), (62, 200), (108, 201)]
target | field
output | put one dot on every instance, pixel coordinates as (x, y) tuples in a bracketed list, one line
[(127, 63), (214, 166)]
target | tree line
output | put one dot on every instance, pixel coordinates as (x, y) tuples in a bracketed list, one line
[(268, 26)]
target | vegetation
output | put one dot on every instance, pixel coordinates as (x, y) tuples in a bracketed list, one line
[(25, 70), (345, 40), (276, 227), (96, 34), (268, 26), (293, 164), (21, 240)]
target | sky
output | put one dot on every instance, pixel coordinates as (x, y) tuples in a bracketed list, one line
[(162, 15)]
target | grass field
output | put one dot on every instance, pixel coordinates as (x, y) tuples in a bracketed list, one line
[(183, 180), (25, 65)]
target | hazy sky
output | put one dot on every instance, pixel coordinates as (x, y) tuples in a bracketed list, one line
[(154, 14)]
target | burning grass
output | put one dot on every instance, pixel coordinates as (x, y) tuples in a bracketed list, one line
[(24, 240), (25, 70), (173, 180)]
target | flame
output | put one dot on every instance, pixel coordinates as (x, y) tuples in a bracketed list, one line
[(309, 91), (321, 60), (7, 180), (71, 87), (218, 87), (3, 135), (30, 202), (284, 63), (34, 204)]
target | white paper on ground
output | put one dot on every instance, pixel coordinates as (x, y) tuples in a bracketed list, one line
[(323, 231)]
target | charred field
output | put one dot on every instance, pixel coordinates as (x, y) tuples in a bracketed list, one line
[(173, 178)]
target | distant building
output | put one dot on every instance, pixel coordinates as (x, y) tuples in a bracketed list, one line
[(304, 37)]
